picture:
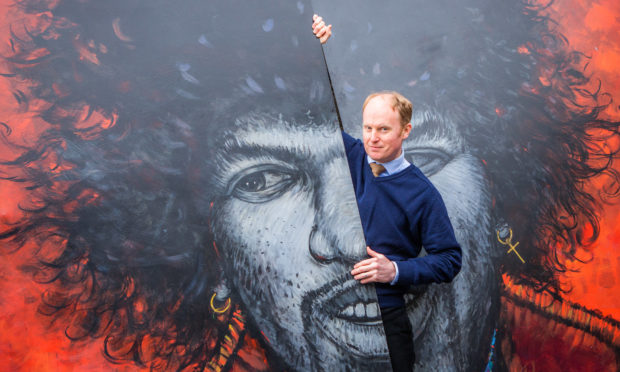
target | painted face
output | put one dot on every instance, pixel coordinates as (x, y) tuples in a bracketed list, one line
[(382, 131), (449, 71), (295, 286), (288, 230), (443, 315)]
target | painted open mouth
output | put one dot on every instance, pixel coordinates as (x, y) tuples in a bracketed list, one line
[(354, 305), (360, 312), (348, 315)]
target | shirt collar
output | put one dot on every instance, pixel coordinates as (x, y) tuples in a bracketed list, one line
[(393, 166)]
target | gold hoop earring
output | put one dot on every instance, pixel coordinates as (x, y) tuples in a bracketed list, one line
[(222, 309)]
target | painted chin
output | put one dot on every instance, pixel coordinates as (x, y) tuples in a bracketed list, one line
[(350, 319), (418, 302)]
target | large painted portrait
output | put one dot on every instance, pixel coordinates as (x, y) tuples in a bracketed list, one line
[(175, 194)]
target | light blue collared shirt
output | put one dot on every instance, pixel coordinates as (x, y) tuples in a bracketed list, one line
[(392, 167)]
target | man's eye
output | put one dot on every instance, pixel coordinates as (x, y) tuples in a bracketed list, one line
[(262, 183), (252, 183), (429, 160)]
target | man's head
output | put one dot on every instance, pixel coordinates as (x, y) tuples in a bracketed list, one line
[(397, 101), (386, 124)]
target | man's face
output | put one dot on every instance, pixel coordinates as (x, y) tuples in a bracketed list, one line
[(288, 230), (383, 133)]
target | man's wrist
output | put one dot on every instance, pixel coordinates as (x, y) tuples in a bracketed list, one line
[(395, 275)]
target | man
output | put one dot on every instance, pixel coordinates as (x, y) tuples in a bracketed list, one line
[(401, 211)]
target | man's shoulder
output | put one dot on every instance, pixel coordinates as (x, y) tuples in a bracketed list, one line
[(349, 139), (352, 145)]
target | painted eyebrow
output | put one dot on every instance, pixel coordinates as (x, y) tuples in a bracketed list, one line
[(431, 131), (247, 150), (235, 149), (435, 128)]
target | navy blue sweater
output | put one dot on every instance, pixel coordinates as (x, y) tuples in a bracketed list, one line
[(400, 213)]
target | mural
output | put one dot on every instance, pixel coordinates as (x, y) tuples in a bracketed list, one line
[(509, 125), (184, 196), (131, 186)]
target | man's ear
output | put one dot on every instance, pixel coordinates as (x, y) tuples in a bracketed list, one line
[(406, 130)]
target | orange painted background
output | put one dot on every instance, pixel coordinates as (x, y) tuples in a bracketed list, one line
[(593, 28), (29, 342)]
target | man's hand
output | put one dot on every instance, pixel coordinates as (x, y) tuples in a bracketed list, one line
[(378, 269), (319, 29)]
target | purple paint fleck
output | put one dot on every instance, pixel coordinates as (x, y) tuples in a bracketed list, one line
[(268, 25), (279, 82), (203, 40), (253, 85)]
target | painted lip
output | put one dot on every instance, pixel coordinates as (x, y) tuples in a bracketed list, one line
[(354, 305), (350, 318)]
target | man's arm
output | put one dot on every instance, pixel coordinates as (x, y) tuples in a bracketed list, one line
[(443, 259), (441, 264)]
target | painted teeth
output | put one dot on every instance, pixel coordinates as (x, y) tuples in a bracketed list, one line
[(360, 310)]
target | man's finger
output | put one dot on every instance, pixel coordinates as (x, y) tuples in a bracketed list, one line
[(319, 26), (372, 253), (361, 269), (327, 32), (361, 275), (365, 262), (369, 275), (370, 279)]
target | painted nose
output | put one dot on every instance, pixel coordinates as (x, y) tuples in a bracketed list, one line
[(337, 232)]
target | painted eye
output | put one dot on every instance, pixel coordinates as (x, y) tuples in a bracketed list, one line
[(263, 183), (430, 160)]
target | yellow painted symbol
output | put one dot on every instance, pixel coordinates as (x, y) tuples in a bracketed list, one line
[(508, 242)]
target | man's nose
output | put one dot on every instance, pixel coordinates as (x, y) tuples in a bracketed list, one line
[(337, 232), (374, 136)]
